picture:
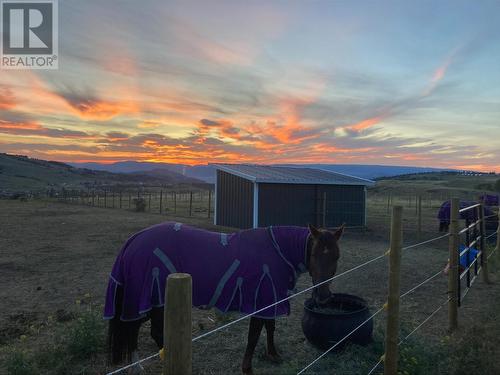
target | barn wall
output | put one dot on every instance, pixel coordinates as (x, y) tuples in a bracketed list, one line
[(286, 204), (234, 203), (297, 204), (345, 204)]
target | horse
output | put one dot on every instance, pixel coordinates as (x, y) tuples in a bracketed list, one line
[(470, 216), (244, 271)]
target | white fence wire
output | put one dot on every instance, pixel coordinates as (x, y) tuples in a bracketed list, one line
[(220, 328), (411, 333)]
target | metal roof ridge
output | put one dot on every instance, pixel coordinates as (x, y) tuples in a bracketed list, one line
[(227, 167), (347, 175)]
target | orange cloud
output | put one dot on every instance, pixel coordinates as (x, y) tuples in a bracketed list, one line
[(102, 110), (35, 96), (222, 128), (149, 124), (21, 126), (365, 124), (328, 148), (479, 167), (408, 157), (441, 71), (31, 128), (7, 100)]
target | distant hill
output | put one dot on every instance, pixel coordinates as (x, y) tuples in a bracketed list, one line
[(462, 184), (372, 172), (20, 173), (207, 172)]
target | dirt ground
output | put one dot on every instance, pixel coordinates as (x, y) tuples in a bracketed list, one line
[(53, 255)]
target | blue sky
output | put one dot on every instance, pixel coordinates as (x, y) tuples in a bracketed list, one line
[(379, 82)]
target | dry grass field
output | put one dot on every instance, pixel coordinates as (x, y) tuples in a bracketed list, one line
[(55, 259)]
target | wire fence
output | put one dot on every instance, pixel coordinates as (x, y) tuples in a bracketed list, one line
[(199, 203), (429, 279), (362, 265), (341, 340), (378, 311), (429, 317)]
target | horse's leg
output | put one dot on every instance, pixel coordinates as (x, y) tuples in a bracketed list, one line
[(157, 326), (271, 353), (254, 330), (132, 344)]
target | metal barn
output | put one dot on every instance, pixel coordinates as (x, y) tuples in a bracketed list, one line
[(249, 196)]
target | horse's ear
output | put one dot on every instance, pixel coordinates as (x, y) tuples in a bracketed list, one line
[(339, 232), (313, 230)]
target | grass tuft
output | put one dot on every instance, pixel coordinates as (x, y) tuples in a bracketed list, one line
[(79, 342), (18, 363), (86, 336)]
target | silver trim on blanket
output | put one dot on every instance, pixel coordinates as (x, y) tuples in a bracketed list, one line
[(165, 260), (222, 282)]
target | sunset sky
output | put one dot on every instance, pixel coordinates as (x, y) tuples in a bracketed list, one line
[(361, 82)]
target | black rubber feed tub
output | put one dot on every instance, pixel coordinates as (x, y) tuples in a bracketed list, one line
[(324, 326)]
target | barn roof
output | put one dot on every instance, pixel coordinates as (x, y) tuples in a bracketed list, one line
[(290, 175)]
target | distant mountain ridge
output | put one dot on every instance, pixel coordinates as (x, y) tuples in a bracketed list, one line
[(207, 172), (21, 173)]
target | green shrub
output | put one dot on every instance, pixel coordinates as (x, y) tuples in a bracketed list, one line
[(86, 336), (19, 364), (53, 360), (140, 204)]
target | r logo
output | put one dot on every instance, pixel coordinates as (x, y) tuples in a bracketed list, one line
[(29, 34), (27, 28)]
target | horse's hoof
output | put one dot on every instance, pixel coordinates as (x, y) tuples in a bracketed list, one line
[(135, 370), (273, 358)]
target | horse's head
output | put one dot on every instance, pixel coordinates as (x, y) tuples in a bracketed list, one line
[(324, 254)]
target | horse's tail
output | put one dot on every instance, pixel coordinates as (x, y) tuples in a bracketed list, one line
[(122, 336), (117, 349)]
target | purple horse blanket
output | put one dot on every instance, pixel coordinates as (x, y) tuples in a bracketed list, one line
[(243, 271), (490, 200), (470, 215)]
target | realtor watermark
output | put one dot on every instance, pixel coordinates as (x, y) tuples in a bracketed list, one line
[(30, 32)]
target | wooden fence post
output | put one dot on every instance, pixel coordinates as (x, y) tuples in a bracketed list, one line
[(388, 203), (105, 205), (392, 330), (482, 244), (129, 200), (120, 199), (177, 325), (497, 248), (453, 273), (161, 200), (190, 203), (149, 204), (324, 210), (419, 224), (175, 202), (209, 202)]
